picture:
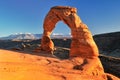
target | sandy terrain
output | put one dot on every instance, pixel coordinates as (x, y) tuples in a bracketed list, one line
[(20, 66), (38, 66)]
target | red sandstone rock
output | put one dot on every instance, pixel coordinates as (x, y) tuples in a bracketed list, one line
[(82, 41), (82, 46), (83, 53), (47, 44), (24, 66)]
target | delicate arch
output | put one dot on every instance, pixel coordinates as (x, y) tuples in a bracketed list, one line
[(82, 41)]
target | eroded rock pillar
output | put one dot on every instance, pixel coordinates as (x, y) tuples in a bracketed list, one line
[(49, 24), (82, 42)]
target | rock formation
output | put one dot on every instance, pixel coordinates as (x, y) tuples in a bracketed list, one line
[(49, 45), (33, 66), (82, 41), (84, 52)]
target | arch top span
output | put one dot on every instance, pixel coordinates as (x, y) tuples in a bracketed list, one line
[(82, 42), (61, 13), (72, 9)]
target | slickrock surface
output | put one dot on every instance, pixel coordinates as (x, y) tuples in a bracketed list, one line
[(41, 66)]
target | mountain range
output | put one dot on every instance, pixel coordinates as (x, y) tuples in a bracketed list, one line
[(21, 36)]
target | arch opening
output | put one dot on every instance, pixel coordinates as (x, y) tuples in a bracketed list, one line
[(61, 29), (82, 42), (61, 35)]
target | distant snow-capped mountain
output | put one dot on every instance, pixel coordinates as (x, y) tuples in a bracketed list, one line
[(60, 36), (21, 36)]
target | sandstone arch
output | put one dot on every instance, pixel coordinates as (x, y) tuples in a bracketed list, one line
[(82, 42)]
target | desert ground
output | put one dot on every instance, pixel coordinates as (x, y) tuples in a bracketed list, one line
[(22, 63), (19, 65)]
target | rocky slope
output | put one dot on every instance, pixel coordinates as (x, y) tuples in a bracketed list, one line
[(109, 43), (111, 64)]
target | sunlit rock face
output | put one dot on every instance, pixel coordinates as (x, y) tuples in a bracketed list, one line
[(83, 48), (22, 66), (82, 41)]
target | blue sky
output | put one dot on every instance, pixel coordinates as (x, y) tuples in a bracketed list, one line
[(27, 16)]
